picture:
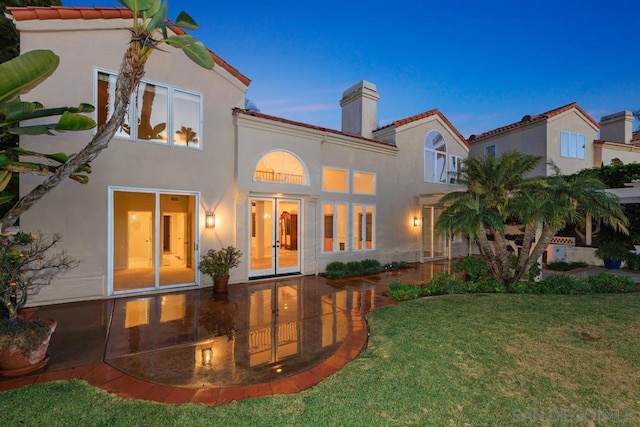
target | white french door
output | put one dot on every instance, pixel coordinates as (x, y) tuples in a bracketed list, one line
[(274, 247), (434, 245)]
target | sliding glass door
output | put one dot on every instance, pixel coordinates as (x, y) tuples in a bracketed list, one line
[(153, 240)]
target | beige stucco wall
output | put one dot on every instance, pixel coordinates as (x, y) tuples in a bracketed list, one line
[(528, 139), (605, 153), (80, 212), (570, 121)]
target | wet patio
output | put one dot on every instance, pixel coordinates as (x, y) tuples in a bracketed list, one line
[(267, 337)]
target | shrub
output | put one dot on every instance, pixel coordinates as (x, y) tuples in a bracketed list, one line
[(371, 266), (472, 267), (560, 284), (341, 270), (337, 270), (401, 291), (396, 265), (633, 261), (606, 283), (565, 266), (443, 283)]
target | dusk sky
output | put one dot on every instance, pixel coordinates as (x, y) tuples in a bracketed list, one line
[(484, 64)]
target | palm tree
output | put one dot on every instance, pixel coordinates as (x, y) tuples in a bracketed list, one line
[(498, 190)]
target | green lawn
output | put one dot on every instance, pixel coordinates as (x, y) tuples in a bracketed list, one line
[(451, 360)]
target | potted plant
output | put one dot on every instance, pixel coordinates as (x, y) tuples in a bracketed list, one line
[(612, 253), (218, 263), (24, 269)]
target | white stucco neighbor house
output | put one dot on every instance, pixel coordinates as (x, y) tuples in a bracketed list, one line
[(193, 170)]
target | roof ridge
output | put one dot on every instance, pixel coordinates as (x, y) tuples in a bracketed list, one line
[(28, 13), (259, 114), (425, 114), (526, 119)]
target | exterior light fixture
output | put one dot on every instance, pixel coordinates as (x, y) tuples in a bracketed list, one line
[(210, 220), (207, 355), (416, 221)]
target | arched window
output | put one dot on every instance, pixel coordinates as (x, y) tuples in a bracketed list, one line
[(435, 157), (281, 166)]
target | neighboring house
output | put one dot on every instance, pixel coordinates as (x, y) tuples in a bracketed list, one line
[(566, 136), (192, 170), (617, 142)]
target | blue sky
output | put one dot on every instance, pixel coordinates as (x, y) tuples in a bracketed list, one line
[(482, 64)]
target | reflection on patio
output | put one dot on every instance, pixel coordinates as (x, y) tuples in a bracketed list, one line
[(259, 333)]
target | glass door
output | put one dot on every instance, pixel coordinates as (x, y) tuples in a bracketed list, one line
[(153, 240), (275, 237), (434, 245)]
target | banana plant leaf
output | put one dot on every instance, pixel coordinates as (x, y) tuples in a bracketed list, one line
[(23, 73)]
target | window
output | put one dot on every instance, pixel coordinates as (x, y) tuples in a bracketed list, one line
[(363, 227), (281, 166), (334, 227), (455, 165), (435, 157), (572, 145), (160, 111), (364, 183), (490, 150), (335, 180)]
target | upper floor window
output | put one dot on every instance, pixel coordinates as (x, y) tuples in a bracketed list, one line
[(163, 114), (572, 145), (455, 165), (281, 166), (435, 157), (364, 183), (490, 150), (335, 180)]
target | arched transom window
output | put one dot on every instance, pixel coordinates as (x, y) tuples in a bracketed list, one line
[(281, 166), (438, 165)]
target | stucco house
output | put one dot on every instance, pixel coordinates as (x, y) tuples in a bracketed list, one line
[(193, 170), (566, 136)]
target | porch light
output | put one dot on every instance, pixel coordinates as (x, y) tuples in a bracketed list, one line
[(207, 355), (416, 221), (210, 220)]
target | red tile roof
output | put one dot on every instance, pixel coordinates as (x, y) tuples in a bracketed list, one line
[(238, 111), (434, 112), (532, 119), (60, 12), (635, 136)]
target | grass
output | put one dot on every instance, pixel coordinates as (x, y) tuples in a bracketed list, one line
[(449, 360)]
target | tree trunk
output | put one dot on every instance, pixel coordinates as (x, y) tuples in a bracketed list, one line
[(131, 72)]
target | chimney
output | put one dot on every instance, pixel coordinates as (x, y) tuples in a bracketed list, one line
[(359, 109), (617, 127)]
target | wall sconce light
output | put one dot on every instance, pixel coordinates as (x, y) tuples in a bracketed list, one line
[(207, 355), (416, 221), (210, 220)]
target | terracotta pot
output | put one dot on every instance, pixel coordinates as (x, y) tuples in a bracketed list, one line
[(220, 284), (14, 363)]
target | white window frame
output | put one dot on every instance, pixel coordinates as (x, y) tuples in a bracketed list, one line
[(490, 150), (305, 180), (363, 230), (132, 112), (433, 156), (454, 169), (339, 169), (573, 145), (375, 182), (336, 244)]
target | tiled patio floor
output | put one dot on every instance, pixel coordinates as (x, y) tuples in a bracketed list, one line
[(80, 347)]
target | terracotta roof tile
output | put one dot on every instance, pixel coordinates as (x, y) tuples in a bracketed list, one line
[(635, 136), (531, 119), (434, 112), (60, 12), (238, 111)]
